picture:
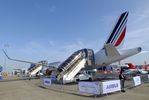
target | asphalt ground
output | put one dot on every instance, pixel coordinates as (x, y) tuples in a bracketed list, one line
[(18, 89)]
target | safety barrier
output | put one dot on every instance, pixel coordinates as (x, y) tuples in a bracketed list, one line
[(95, 88)]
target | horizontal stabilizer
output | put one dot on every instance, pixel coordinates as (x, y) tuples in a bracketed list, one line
[(110, 50)]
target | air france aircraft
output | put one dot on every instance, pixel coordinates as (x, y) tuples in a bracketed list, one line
[(110, 53)]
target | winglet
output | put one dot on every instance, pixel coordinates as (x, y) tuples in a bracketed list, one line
[(6, 54)]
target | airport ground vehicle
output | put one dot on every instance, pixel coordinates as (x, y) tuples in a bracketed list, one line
[(86, 76)]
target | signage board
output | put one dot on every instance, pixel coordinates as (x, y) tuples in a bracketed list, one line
[(111, 86), (89, 87), (137, 80), (47, 81)]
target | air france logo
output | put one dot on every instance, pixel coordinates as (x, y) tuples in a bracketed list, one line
[(112, 86)]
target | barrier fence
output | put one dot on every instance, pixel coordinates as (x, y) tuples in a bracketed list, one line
[(94, 87)]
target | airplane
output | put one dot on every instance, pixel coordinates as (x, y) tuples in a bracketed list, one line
[(134, 68), (131, 66), (110, 53), (38, 68), (87, 59), (145, 66)]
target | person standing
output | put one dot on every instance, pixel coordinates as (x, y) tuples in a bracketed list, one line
[(29, 76), (122, 80)]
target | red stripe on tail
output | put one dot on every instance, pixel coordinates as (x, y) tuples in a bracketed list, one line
[(121, 37)]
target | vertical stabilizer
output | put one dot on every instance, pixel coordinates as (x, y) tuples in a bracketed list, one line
[(118, 33)]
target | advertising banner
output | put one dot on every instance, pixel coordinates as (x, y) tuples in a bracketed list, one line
[(111, 86), (89, 87), (47, 81), (137, 80)]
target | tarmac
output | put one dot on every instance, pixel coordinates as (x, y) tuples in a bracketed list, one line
[(16, 89)]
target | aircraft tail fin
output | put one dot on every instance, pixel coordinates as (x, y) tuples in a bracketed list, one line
[(118, 33)]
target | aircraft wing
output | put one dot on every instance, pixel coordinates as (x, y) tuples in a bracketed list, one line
[(55, 64), (18, 59)]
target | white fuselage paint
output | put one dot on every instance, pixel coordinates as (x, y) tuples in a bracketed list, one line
[(101, 59)]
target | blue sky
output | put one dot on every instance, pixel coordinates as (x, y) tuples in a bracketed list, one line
[(52, 30)]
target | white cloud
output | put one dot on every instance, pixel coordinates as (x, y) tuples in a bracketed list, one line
[(138, 37), (138, 30)]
